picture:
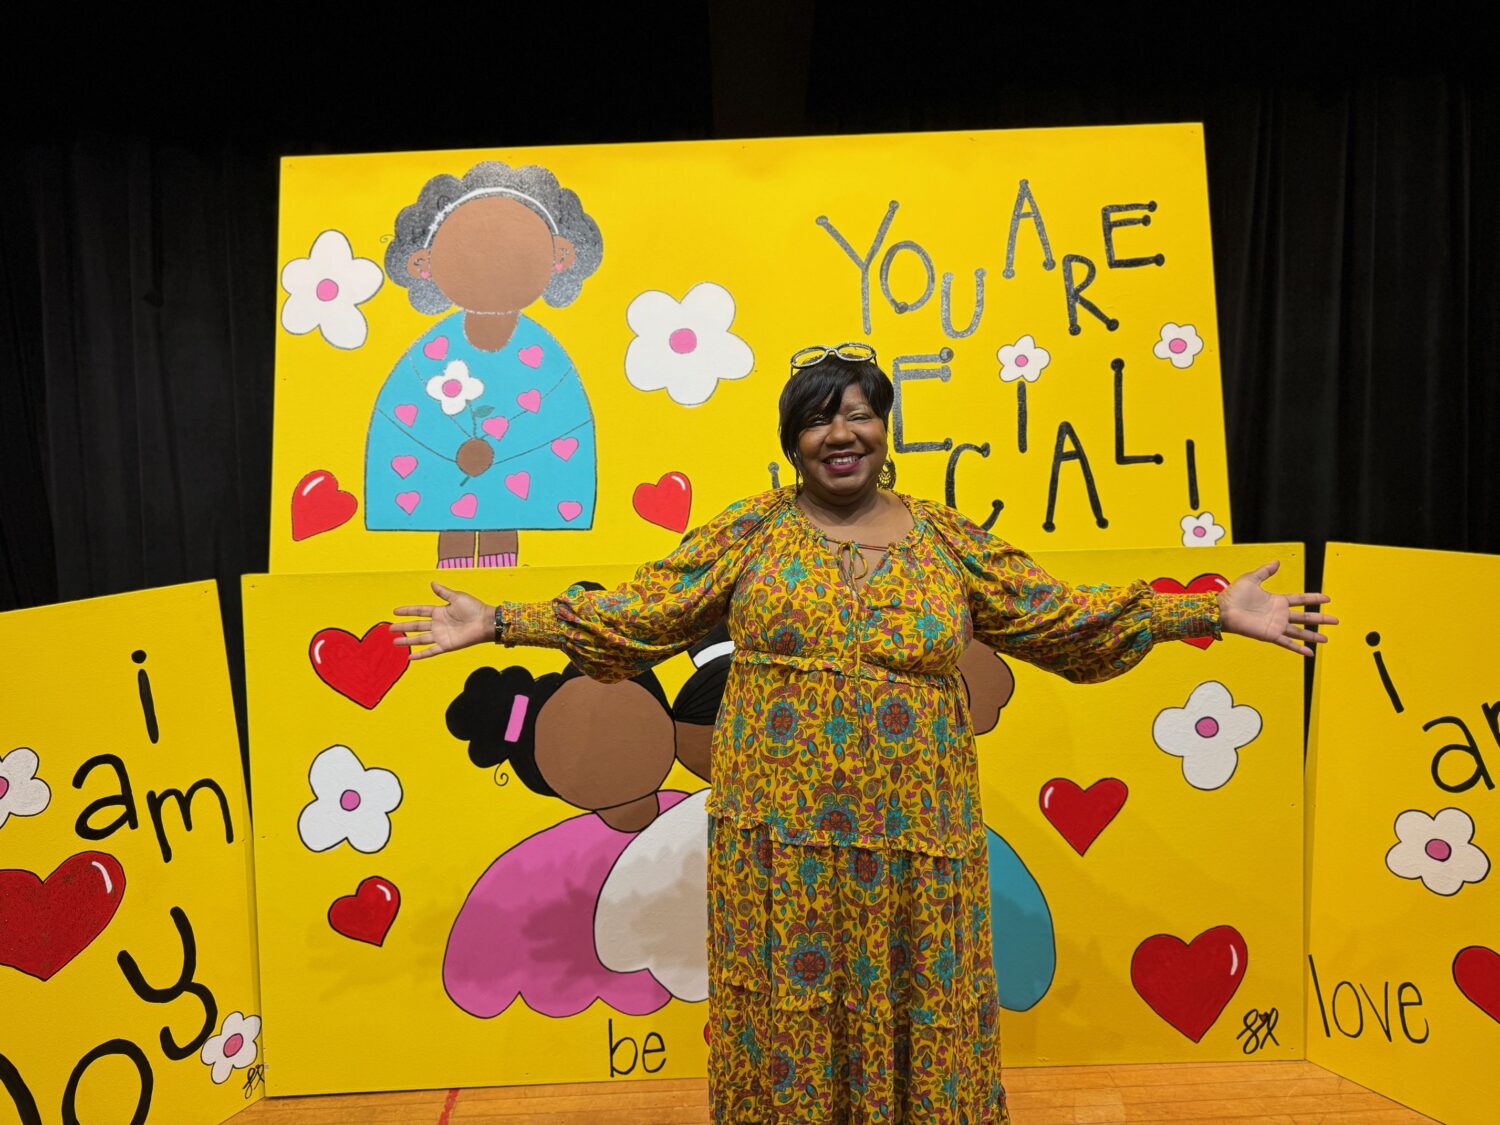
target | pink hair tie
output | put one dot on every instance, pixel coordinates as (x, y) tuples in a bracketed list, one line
[(517, 717)]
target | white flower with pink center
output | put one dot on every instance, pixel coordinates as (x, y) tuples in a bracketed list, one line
[(685, 346), (1207, 733), (1201, 530), (353, 803), (1438, 850), (455, 388), (234, 1048), (325, 290), (1022, 360), (1179, 344), (22, 793)]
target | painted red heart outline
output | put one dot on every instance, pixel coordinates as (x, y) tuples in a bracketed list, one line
[(1189, 984), (368, 913), (361, 669), (668, 503), (1079, 814), (1476, 972), (319, 505), (46, 923)]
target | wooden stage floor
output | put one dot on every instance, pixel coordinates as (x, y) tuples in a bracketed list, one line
[(1250, 1093)]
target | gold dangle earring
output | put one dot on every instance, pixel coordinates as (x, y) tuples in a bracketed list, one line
[(887, 477)]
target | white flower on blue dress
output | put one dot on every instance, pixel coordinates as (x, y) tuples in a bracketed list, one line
[(685, 346), (325, 290), (454, 388)]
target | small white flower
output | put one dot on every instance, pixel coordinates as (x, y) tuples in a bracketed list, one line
[(325, 290), (353, 803), (1179, 344), (1022, 360), (1207, 734), (455, 388), (1201, 530), (1437, 850), (234, 1048), (22, 793), (685, 346)]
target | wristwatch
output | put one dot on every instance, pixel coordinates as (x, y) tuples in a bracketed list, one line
[(499, 625)]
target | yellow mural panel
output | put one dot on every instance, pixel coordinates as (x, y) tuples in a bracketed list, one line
[(587, 343), (127, 967), (1159, 816), (474, 870), (1404, 916)]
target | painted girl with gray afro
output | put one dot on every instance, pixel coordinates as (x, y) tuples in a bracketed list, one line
[(483, 427)]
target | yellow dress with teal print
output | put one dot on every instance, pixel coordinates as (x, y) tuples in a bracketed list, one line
[(850, 969)]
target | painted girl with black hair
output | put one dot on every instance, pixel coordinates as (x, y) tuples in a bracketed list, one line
[(527, 928)]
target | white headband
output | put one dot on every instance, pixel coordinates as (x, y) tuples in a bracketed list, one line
[(712, 652), (475, 194)]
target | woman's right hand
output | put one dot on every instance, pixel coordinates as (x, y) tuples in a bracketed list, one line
[(464, 620)]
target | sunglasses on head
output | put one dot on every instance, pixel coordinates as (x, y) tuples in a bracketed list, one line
[(854, 353)]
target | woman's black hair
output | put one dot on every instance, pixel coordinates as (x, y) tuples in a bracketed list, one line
[(813, 390)]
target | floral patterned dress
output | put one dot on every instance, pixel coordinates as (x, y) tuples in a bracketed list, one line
[(850, 970)]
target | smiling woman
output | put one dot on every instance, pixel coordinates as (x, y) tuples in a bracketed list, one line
[(850, 955)]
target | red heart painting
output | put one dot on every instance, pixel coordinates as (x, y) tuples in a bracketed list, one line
[(367, 914), (1476, 971), (1081, 814), (319, 505), (44, 925), (1189, 984), (667, 503), (359, 668), (1203, 584)]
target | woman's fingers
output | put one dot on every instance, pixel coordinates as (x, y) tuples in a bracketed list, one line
[(410, 626), (419, 639), (1313, 619), (1307, 599), (1289, 643), (415, 610), (1306, 636)]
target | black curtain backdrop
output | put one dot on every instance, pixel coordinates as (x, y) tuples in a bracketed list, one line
[(1353, 187)]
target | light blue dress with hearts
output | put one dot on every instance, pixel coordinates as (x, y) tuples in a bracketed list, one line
[(525, 402)]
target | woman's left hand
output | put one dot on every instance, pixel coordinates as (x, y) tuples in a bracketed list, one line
[(1250, 611)]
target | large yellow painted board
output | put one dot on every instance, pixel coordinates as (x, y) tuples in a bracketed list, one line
[(127, 965), (635, 395), (1404, 827), (494, 930), (1177, 927)]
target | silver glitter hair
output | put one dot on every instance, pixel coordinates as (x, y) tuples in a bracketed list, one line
[(533, 186)]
